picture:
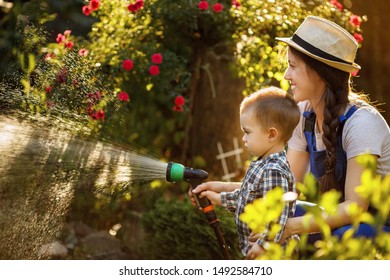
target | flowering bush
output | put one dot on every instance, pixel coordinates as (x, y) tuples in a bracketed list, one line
[(149, 49)]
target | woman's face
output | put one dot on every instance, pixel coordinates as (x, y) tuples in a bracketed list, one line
[(305, 83)]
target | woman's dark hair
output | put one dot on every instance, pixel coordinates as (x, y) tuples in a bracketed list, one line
[(336, 100)]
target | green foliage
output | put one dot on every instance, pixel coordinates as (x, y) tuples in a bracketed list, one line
[(181, 33), (258, 57), (177, 230), (374, 188)]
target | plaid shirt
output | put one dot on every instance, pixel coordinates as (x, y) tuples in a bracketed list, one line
[(262, 176)]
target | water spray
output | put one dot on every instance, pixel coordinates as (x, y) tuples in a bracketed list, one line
[(177, 172)]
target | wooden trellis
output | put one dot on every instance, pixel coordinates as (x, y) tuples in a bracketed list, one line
[(223, 155)]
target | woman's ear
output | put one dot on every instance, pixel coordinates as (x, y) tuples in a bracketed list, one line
[(272, 133)]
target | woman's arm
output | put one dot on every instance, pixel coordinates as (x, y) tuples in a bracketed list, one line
[(299, 163), (340, 218)]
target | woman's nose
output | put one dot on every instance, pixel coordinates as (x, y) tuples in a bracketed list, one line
[(287, 74)]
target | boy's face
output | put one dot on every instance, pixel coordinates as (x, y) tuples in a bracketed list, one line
[(256, 138)]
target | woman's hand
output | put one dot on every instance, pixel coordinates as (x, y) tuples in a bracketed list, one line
[(255, 252)]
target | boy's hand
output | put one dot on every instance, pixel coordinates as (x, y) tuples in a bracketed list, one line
[(255, 252), (214, 186), (215, 198)]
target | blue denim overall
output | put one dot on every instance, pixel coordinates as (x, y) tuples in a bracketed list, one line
[(317, 168)]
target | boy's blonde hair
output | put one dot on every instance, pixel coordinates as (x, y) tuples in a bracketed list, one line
[(273, 107)]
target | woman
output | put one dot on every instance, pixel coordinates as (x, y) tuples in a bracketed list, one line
[(336, 126)]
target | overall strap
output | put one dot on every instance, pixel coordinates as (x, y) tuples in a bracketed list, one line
[(344, 118), (310, 120)]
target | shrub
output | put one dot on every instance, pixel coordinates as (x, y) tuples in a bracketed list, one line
[(177, 230)]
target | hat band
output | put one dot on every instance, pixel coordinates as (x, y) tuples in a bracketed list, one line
[(316, 51)]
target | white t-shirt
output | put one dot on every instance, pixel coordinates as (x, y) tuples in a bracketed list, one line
[(366, 131)]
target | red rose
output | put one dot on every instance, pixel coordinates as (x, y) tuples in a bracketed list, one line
[(100, 114), (86, 10), (127, 64), (136, 6), (131, 8), (179, 100), (123, 96), (69, 45), (178, 108), (154, 70), (358, 37), (157, 58), (48, 89), (139, 4), (203, 5), (218, 7), (94, 4), (355, 20)]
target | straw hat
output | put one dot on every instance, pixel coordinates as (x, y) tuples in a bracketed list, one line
[(325, 41)]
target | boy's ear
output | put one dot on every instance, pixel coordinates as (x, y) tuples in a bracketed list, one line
[(272, 133)]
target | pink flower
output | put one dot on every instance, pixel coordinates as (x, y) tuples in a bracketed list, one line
[(94, 4), (157, 58), (355, 73), (154, 70), (69, 45), (358, 37), (86, 10), (48, 89), (60, 38), (337, 4), (236, 3), (127, 64), (203, 5), (123, 96), (67, 32), (218, 7), (83, 52), (355, 20), (179, 100)]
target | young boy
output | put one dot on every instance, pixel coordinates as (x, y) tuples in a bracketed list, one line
[(268, 118)]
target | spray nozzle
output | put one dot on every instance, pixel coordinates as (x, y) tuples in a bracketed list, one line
[(178, 172)]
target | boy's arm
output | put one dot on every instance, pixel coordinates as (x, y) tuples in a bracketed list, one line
[(229, 200)]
